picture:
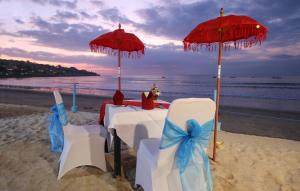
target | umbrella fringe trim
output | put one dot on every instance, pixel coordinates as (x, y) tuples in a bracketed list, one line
[(114, 52), (227, 46)]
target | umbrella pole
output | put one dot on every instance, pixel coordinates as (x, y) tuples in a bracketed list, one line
[(217, 100), (119, 70), (218, 91)]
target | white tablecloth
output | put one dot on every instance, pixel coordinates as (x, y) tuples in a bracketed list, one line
[(134, 124)]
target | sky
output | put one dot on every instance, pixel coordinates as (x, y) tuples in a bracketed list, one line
[(58, 32)]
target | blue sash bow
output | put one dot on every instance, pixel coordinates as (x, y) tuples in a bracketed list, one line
[(63, 118), (190, 151), (55, 128)]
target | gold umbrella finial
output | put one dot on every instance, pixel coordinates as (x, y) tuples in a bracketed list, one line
[(119, 25), (222, 12)]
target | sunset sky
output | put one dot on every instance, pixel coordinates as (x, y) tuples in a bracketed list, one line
[(58, 32)]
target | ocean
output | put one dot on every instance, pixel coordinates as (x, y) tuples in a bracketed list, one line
[(273, 93)]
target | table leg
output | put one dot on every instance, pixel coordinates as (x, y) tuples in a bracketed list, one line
[(117, 155)]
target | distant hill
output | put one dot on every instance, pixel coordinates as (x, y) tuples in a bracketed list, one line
[(21, 69)]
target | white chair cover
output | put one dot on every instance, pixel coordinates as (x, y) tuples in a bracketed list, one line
[(83, 145), (154, 170)]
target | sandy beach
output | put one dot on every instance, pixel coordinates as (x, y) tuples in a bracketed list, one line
[(261, 151)]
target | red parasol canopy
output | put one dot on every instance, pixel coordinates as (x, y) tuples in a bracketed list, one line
[(242, 31), (118, 42)]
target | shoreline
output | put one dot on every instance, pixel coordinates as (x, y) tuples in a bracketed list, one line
[(7, 78), (223, 106), (257, 103), (242, 120)]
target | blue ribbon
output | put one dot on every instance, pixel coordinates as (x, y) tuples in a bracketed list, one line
[(55, 130), (63, 118), (190, 151)]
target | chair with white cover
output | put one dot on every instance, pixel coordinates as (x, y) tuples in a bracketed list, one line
[(83, 145), (154, 166)]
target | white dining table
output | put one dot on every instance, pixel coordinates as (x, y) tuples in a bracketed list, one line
[(131, 124)]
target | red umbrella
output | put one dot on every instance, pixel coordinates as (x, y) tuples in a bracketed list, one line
[(118, 42), (241, 31)]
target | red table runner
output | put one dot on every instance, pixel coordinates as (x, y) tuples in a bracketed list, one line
[(157, 104)]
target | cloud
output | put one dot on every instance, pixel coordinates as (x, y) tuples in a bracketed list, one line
[(169, 47), (97, 3), (45, 56), (58, 3), (287, 57), (19, 21), (175, 20), (64, 15), (114, 15), (4, 32), (87, 16), (62, 34)]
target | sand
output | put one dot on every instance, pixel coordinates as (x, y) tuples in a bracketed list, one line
[(246, 162), (26, 162), (89, 103), (257, 163)]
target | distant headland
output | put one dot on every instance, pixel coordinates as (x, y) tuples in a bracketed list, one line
[(23, 69)]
